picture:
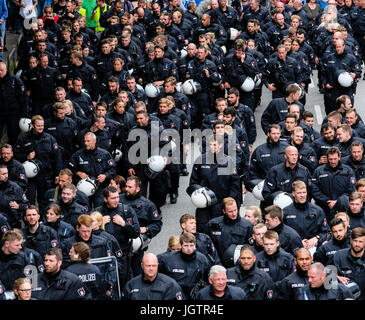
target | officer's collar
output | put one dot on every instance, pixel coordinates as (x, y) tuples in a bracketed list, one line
[(341, 243), (230, 221), (279, 227), (339, 166), (357, 215), (147, 281), (301, 273), (227, 295), (133, 197), (187, 257), (270, 142), (301, 206), (246, 273), (274, 255)]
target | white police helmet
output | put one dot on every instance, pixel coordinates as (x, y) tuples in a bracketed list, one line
[(87, 186), (203, 198), (282, 200), (140, 243), (25, 124), (155, 165), (31, 168), (139, 87), (117, 155), (257, 190), (248, 85), (234, 33), (258, 80), (183, 53), (344, 79), (151, 91), (179, 87), (191, 86)]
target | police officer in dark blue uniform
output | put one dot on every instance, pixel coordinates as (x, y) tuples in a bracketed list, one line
[(281, 176), (237, 68), (340, 240), (341, 60), (267, 155), (321, 145), (14, 102), (43, 149), (149, 219), (13, 200), (57, 284), (282, 71), (64, 130), (277, 109), (319, 288), (53, 219), (151, 284), (331, 180), (95, 163), (218, 288), (186, 266), (38, 236), (229, 228), (256, 283), (16, 170), (288, 287), (12, 258), (88, 273), (305, 217), (205, 72), (40, 83), (204, 243), (356, 160), (70, 209), (274, 260), (206, 174)]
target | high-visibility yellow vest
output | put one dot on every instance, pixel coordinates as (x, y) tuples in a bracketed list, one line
[(82, 11), (97, 17)]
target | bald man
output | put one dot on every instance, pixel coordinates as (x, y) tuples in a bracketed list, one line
[(320, 288), (281, 177), (152, 285)]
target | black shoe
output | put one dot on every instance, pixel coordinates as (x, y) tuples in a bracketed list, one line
[(184, 172), (173, 198)]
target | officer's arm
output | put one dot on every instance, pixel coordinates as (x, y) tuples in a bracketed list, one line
[(309, 160), (20, 151), (317, 194), (221, 36), (57, 157), (21, 96), (109, 166), (323, 229), (20, 177), (351, 181), (270, 186), (250, 126), (132, 228), (21, 199), (94, 94), (155, 222), (268, 117), (76, 290), (235, 185)]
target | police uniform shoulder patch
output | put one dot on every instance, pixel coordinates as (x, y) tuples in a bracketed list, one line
[(4, 229), (269, 294), (110, 162), (22, 176), (179, 296), (119, 253), (55, 146), (353, 180), (81, 292), (41, 268), (155, 214), (1, 290), (54, 243), (129, 220)]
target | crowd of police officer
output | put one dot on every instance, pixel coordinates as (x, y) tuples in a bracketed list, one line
[(70, 176)]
